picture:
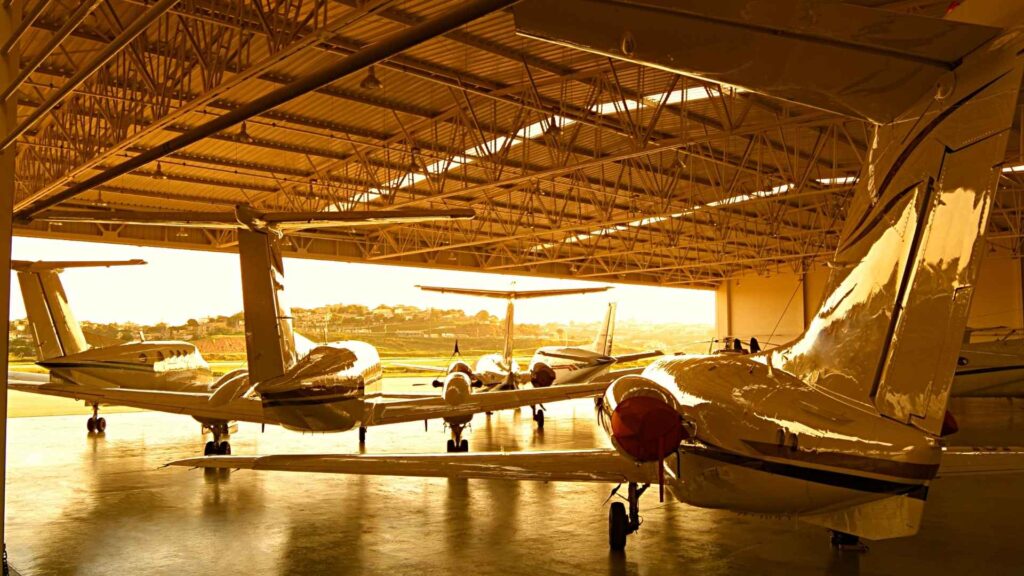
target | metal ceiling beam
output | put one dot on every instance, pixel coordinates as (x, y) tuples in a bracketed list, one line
[(76, 18), (386, 47), (26, 22), (138, 26)]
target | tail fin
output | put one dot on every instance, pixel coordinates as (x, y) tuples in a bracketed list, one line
[(506, 353), (889, 328), (269, 338), (606, 335), (55, 329)]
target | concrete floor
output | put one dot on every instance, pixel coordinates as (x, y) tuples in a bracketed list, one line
[(103, 505)]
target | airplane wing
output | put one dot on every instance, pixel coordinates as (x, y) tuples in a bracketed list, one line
[(385, 412), (977, 461), (419, 367), (191, 403), (612, 375), (514, 294), (623, 358), (599, 465), (888, 59)]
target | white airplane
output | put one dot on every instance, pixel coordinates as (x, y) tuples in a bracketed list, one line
[(500, 370), (843, 426), (550, 365), (289, 381), (993, 369)]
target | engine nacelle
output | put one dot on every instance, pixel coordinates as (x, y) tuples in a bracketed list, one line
[(542, 375), (642, 419), (457, 389)]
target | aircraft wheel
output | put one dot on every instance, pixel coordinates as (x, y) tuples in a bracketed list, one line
[(362, 435), (464, 446), (451, 445), (101, 424), (539, 419), (618, 526), (224, 448), (210, 449), (91, 424)]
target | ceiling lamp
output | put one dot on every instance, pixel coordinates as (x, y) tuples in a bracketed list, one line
[(243, 135), (159, 174), (371, 82)]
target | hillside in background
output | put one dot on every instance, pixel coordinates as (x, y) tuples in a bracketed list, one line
[(394, 330)]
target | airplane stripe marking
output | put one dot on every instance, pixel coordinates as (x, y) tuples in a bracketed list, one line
[(827, 477), (849, 461), (989, 370)]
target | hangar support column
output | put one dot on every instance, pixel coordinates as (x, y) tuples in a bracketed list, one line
[(10, 17)]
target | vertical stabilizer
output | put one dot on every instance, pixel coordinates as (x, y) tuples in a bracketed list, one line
[(606, 335), (888, 332), (269, 339), (55, 329), (506, 352)]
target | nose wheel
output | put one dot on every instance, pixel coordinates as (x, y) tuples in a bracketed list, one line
[(96, 424), (620, 523), (457, 443), (217, 447)]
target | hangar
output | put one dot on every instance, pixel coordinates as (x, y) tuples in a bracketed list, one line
[(577, 165)]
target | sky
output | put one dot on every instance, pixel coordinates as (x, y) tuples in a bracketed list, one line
[(177, 285)]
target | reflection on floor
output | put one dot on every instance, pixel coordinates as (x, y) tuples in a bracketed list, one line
[(103, 505)]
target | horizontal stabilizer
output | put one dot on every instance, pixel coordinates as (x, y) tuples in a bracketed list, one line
[(513, 294), (978, 461), (28, 266), (245, 217), (863, 62), (602, 465)]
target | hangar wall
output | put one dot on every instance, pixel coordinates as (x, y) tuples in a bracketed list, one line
[(777, 308)]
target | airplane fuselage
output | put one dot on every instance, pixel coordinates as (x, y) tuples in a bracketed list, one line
[(167, 366), (547, 370), (326, 401), (763, 441)]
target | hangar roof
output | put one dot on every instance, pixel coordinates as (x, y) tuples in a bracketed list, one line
[(577, 166)]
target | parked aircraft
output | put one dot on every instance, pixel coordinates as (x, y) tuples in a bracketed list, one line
[(550, 365), (289, 381), (500, 371), (842, 427)]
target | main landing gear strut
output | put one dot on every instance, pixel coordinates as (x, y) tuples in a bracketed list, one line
[(457, 443), (847, 542), (95, 423), (216, 447), (538, 415), (621, 524)]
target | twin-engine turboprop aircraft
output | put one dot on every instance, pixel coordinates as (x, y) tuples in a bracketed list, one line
[(843, 426), (550, 365), (291, 382)]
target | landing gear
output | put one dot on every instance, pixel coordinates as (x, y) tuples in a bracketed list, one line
[(847, 542), (95, 423), (538, 416), (621, 524), (217, 447), (362, 435), (457, 443)]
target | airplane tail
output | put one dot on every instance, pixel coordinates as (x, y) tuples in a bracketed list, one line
[(942, 94), (55, 329), (506, 352), (269, 337), (606, 335)]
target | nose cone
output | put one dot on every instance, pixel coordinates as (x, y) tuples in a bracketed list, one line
[(646, 428)]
